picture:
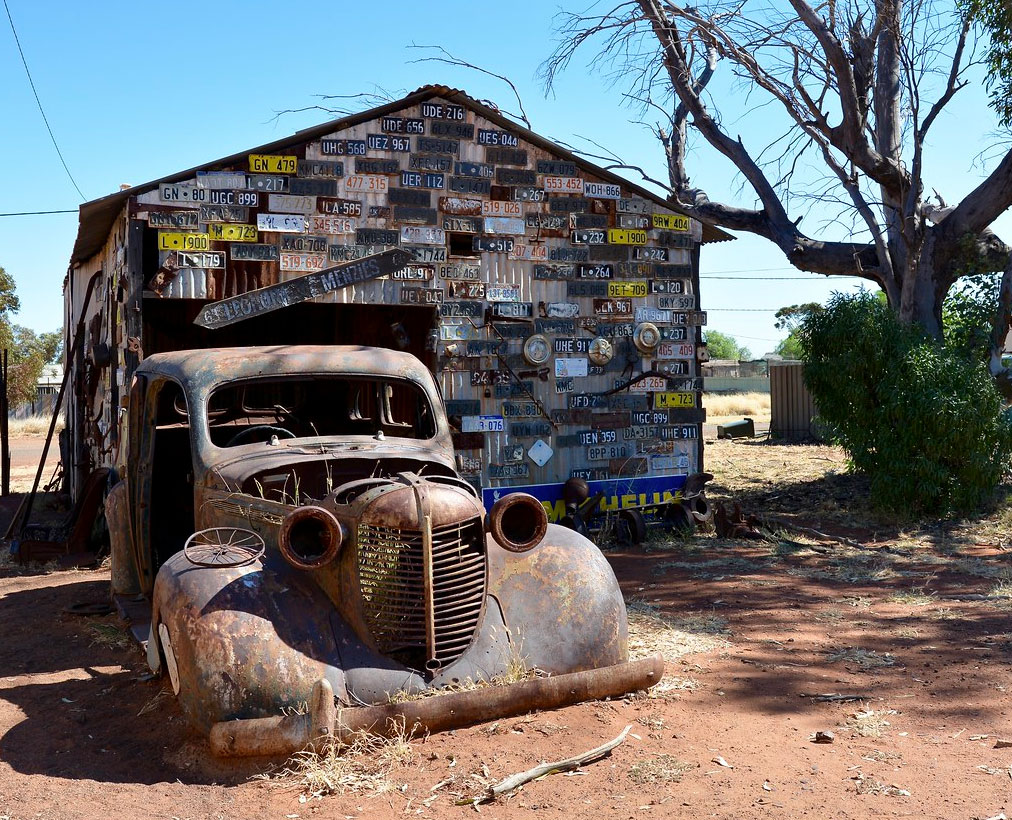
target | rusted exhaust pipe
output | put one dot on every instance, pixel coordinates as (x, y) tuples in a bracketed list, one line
[(284, 735)]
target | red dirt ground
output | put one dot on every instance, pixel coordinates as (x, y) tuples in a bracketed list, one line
[(84, 734)]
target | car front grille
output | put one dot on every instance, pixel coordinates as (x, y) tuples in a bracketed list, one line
[(391, 570)]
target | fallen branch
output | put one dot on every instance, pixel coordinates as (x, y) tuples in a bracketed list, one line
[(839, 539), (515, 781)]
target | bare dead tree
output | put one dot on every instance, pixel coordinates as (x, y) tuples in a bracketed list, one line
[(861, 83)]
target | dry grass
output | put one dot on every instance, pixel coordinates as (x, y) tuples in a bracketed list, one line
[(869, 723), (865, 658), (364, 766), (32, 426), (516, 672), (653, 632), (724, 405), (660, 769), (912, 597), (111, 634)]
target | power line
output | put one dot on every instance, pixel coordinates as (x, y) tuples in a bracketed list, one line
[(36, 213), (45, 119), (743, 310)]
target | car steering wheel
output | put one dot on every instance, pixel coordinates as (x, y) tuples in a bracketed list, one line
[(247, 432)]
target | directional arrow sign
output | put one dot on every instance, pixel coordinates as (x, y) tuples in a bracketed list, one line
[(274, 297)]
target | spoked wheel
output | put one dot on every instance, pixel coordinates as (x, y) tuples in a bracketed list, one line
[(223, 547)]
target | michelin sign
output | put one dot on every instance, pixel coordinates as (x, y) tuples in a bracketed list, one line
[(619, 493)]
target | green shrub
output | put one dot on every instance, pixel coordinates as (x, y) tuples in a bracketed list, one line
[(923, 421)]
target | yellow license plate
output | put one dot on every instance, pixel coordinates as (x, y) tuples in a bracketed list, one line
[(618, 236), (183, 241), (273, 164), (232, 233), (626, 289), (663, 400), (671, 222)]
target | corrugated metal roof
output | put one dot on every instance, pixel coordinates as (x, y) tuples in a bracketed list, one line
[(97, 216)]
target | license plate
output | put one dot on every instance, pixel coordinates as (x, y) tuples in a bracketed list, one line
[(562, 310), (343, 148), (627, 289), (672, 462), (180, 220), (512, 310), (566, 367), (366, 183), (422, 235), (466, 273), (492, 244), (282, 223), (253, 253), (491, 137), (526, 193), (303, 262), (536, 253), (427, 254), (470, 309), (676, 302), (601, 190), (613, 307), (675, 350), (414, 179), (480, 170), (662, 400), (482, 424), (412, 273), (566, 185), (594, 271), (671, 222), (457, 333), (245, 199), (564, 385), (214, 259), (331, 224), (504, 225), (466, 290), (674, 367), (221, 179), (227, 232), (652, 314), (498, 207), (606, 452), (338, 207), (387, 142), (296, 243), (460, 206), (462, 224), (273, 164), (503, 293), (508, 471), (650, 254), (588, 437), (588, 237), (637, 221), (621, 236), (222, 213), (183, 193), (291, 204), (421, 296), (183, 241), (650, 384), (468, 465)]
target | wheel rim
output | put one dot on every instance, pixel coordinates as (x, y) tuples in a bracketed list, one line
[(223, 547)]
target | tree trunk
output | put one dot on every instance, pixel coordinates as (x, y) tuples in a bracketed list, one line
[(921, 299)]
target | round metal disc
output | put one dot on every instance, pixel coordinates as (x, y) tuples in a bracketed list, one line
[(223, 547)]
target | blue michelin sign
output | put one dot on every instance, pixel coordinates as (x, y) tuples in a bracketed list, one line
[(619, 493)]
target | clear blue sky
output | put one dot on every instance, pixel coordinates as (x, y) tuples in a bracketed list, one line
[(135, 91)]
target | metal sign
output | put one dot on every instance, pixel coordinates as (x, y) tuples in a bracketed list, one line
[(628, 290), (680, 399), (621, 236), (339, 207), (366, 183), (289, 203), (253, 253), (504, 225), (563, 185), (183, 241), (273, 164), (671, 222), (221, 179), (482, 424), (180, 220), (303, 262), (421, 296), (222, 213), (423, 235), (331, 225), (343, 148), (498, 207), (230, 232), (182, 192), (273, 297), (506, 156), (529, 252), (282, 223), (601, 190)]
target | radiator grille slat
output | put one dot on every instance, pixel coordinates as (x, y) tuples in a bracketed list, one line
[(390, 569)]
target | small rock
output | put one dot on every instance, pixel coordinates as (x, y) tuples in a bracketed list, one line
[(1001, 743), (823, 737)]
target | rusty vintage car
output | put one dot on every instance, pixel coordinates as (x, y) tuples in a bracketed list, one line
[(295, 519)]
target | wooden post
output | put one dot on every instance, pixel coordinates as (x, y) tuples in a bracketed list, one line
[(5, 446)]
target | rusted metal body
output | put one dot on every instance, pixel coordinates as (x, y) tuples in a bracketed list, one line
[(378, 570), (324, 723)]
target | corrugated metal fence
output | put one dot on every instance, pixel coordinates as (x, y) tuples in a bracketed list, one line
[(791, 406)]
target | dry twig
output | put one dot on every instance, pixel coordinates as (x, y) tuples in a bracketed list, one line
[(515, 781)]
